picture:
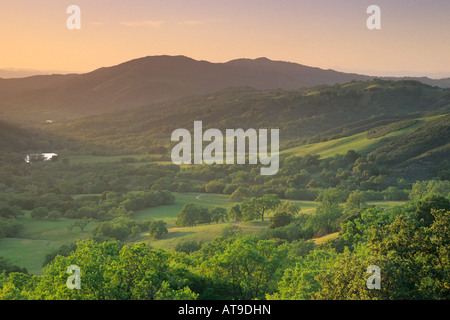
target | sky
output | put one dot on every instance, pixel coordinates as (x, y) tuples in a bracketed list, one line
[(414, 39)]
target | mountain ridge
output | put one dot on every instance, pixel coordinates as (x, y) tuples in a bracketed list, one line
[(148, 80)]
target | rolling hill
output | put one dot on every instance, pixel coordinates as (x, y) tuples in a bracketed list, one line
[(400, 123), (301, 115), (149, 80), (396, 121), (13, 73), (414, 146)]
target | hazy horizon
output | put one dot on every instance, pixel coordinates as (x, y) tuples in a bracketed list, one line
[(326, 34), (12, 73)]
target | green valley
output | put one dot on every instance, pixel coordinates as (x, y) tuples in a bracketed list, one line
[(363, 180)]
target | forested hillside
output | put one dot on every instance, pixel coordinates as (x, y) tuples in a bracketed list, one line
[(14, 138), (363, 180), (304, 117)]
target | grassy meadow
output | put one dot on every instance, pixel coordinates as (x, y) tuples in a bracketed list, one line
[(41, 237)]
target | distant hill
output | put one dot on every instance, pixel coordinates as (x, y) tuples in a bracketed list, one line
[(303, 116), (443, 83), (401, 124), (148, 80), (12, 73)]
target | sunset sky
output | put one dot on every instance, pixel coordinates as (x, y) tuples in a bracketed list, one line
[(414, 39)]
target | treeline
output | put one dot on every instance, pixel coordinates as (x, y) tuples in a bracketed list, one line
[(408, 243), (66, 178), (101, 207), (114, 210), (302, 178)]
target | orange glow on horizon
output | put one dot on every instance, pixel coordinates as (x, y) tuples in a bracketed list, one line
[(326, 35)]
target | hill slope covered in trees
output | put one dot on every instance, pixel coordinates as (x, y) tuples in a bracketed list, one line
[(153, 79), (303, 116)]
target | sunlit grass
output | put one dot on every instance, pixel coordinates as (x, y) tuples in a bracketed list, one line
[(27, 253), (357, 142), (326, 238)]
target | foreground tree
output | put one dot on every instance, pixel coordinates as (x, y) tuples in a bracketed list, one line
[(108, 272), (414, 263), (243, 268), (301, 282)]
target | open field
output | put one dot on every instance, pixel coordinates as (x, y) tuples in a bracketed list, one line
[(199, 234), (27, 253), (169, 213), (41, 237), (53, 230)]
